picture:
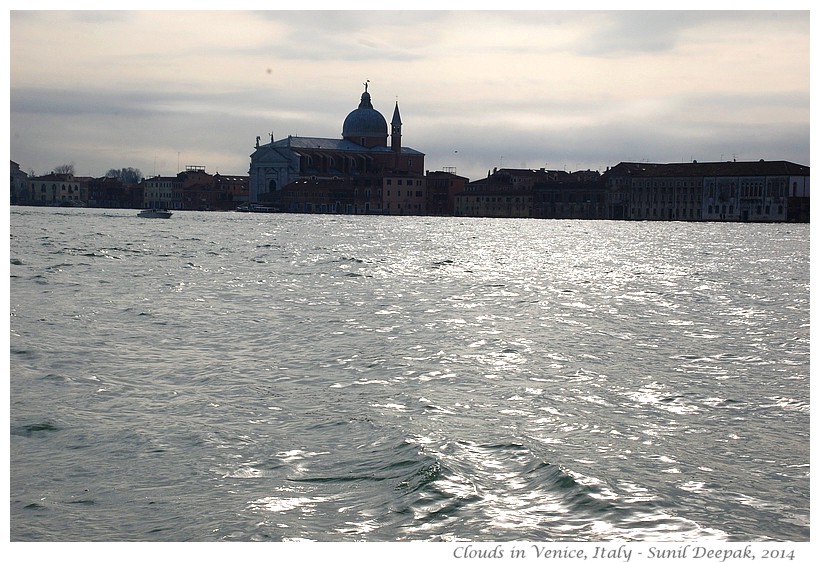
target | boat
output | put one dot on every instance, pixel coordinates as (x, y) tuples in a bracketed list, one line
[(155, 214), (257, 208)]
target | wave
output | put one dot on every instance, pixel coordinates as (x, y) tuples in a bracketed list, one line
[(504, 491), (35, 429)]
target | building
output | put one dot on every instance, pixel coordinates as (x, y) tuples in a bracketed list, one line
[(232, 189), (404, 194), (112, 193), (18, 185), (761, 191), (442, 188), (578, 195), (323, 195), (161, 192), (195, 190), (283, 172), (54, 189), (508, 192)]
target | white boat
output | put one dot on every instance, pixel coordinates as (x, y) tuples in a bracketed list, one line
[(155, 214), (256, 208)]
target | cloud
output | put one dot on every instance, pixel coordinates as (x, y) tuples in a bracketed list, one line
[(582, 88)]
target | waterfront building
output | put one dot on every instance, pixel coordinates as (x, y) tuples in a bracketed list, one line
[(112, 193), (231, 189), (581, 196), (510, 204), (161, 192), (508, 192), (442, 188), (195, 190), (758, 191), (54, 189), (404, 195), (761, 191), (283, 171), (18, 185), (325, 195)]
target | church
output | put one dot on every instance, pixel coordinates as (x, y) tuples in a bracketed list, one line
[(358, 173)]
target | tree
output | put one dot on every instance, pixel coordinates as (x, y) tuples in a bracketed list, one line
[(64, 169), (125, 175)]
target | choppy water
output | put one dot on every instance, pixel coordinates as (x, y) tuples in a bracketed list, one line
[(237, 377)]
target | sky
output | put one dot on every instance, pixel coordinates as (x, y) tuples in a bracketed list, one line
[(160, 90)]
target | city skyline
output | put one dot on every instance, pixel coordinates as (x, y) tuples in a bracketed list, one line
[(160, 90)]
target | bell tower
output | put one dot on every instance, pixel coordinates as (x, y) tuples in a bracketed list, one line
[(395, 130)]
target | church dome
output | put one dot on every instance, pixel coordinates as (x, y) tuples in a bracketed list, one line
[(364, 121)]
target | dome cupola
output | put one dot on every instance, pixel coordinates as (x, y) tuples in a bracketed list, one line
[(365, 125)]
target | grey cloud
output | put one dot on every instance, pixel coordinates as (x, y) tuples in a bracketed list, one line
[(598, 146), (217, 122), (637, 32), (345, 22), (620, 33), (79, 102), (345, 35), (768, 104), (344, 49), (99, 17)]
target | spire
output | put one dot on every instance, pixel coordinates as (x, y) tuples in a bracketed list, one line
[(395, 130), (396, 122)]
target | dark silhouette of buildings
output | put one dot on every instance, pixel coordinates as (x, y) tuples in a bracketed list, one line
[(762, 191), (363, 173)]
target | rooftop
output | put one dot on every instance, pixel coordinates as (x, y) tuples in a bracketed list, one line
[(342, 145)]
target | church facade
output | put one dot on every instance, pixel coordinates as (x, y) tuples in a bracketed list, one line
[(346, 175)]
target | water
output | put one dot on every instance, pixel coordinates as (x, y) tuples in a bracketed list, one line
[(242, 377)]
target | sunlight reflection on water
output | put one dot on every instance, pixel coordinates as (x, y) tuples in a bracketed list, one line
[(380, 378)]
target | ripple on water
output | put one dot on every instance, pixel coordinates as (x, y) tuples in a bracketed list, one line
[(334, 378)]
